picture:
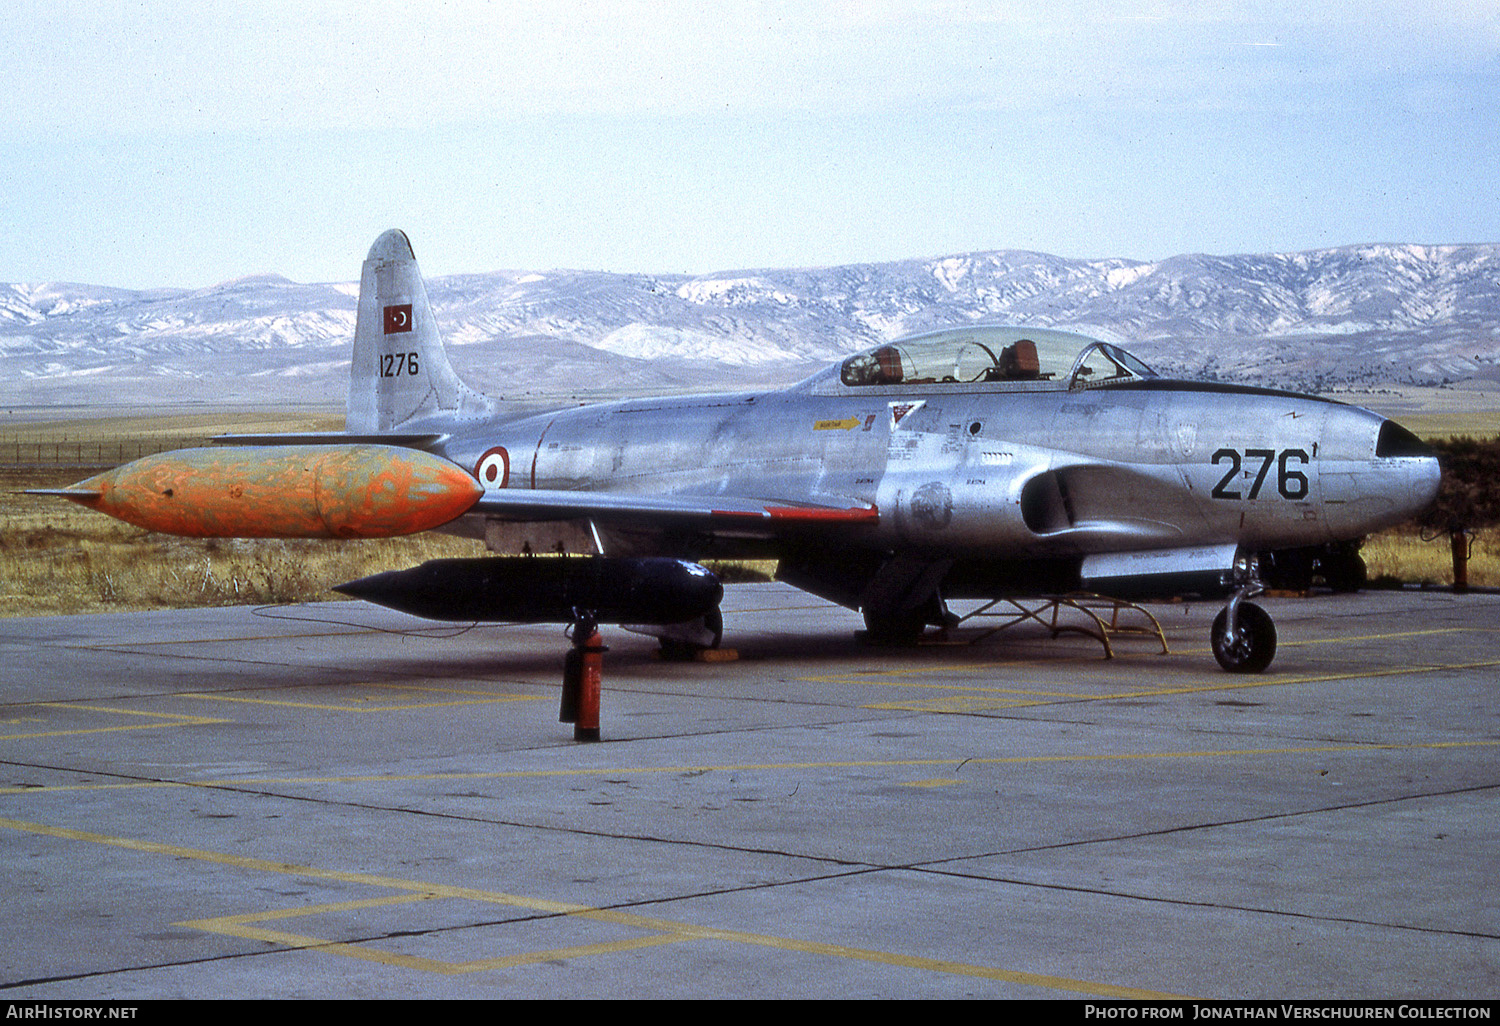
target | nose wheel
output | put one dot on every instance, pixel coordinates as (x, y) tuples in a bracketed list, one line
[(1244, 638)]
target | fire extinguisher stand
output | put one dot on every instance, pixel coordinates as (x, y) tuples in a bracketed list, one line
[(582, 680)]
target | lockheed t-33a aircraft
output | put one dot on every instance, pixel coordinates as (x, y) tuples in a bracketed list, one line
[(976, 462)]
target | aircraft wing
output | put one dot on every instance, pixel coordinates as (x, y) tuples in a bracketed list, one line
[(715, 512)]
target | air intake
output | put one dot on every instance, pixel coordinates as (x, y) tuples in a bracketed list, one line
[(1395, 440)]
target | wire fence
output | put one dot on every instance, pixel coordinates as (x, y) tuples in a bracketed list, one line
[(19, 452)]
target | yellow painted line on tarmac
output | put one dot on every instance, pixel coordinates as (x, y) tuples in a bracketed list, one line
[(627, 771), (895, 678), (1395, 671), (660, 931), (326, 908), (353, 630), (283, 868), (874, 677), (1390, 636), (956, 704), (965, 704), (168, 720), (132, 785), (1274, 681), (914, 962), (970, 696), (429, 965), (442, 690), (352, 705), (242, 926), (1283, 643)]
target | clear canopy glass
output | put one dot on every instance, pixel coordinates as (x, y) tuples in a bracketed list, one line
[(1020, 357)]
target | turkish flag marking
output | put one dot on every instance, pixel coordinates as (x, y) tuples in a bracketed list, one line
[(397, 319)]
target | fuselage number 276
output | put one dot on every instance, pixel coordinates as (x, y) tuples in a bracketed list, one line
[(1290, 481)]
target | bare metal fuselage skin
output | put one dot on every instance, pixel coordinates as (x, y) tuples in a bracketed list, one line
[(975, 471), (895, 469)]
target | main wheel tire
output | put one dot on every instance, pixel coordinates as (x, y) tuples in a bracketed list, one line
[(1345, 573), (1291, 569), (1253, 645), (897, 629), (686, 651)]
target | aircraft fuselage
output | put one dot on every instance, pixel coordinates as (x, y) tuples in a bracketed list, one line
[(980, 470)]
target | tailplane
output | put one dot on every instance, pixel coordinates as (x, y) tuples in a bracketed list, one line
[(400, 377)]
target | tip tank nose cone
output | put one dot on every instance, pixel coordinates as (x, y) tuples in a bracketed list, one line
[(367, 588)]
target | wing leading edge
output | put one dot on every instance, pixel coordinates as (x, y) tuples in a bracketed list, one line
[(767, 515)]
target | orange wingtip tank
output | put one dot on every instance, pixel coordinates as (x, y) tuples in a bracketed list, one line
[(293, 491)]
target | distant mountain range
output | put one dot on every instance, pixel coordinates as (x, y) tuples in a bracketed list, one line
[(1356, 315)]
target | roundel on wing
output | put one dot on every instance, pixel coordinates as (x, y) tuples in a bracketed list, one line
[(493, 468)]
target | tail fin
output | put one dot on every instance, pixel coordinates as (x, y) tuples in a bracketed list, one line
[(400, 376)]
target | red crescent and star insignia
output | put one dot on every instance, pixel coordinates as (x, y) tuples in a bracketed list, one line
[(397, 318)]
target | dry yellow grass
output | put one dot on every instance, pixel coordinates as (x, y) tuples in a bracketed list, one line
[(1433, 413), (1407, 557), (172, 426)]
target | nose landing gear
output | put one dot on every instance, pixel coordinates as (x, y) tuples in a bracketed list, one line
[(1249, 645), (1243, 636)]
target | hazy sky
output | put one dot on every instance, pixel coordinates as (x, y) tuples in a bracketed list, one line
[(167, 143)]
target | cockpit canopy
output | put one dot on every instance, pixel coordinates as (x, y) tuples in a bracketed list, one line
[(1022, 358)]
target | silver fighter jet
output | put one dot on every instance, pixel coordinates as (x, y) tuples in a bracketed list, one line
[(971, 462), (975, 462)]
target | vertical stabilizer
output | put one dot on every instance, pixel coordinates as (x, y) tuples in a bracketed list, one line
[(400, 376)]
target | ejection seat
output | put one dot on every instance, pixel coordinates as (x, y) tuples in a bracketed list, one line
[(1018, 361), (888, 363)]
